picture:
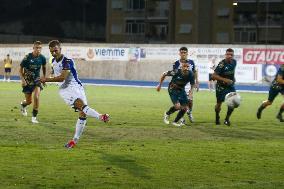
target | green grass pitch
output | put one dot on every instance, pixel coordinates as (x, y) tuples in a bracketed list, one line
[(136, 149)]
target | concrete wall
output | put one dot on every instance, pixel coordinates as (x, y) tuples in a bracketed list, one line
[(118, 70)]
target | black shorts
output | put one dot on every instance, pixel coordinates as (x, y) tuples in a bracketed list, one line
[(210, 77), (7, 70), (29, 89)]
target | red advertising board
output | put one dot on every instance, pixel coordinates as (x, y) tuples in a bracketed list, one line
[(263, 56)]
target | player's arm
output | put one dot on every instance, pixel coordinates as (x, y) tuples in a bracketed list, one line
[(280, 79), (21, 71), (164, 75), (64, 74), (44, 70), (217, 77), (196, 80)]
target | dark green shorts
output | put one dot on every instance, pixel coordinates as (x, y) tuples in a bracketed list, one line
[(221, 92), (28, 89), (178, 96), (273, 92)]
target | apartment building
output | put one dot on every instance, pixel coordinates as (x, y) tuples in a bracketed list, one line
[(194, 21)]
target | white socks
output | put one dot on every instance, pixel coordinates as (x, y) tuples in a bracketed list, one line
[(91, 112), (80, 125)]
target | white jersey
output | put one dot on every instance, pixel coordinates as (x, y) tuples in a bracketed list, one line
[(71, 88), (66, 64)]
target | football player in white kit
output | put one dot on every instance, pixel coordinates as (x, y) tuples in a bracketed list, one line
[(183, 53), (71, 90)]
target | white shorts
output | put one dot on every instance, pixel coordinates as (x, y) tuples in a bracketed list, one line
[(72, 93), (187, 88)]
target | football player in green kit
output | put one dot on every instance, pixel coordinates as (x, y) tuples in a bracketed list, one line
[(176, 89), (276, 87), (225, 76), (30, 77)]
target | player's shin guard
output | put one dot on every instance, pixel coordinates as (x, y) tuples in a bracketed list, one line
[(281, 110), (90, 112), (229, 112), (180, 115), (35, 112), (80, 125), (171, 110), (217, 116), (24, 104)]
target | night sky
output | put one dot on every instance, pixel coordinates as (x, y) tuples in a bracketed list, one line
[(43, 17)]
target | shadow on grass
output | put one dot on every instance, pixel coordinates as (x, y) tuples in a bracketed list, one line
[(127, 163)]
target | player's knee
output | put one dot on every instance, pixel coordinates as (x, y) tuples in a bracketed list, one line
[(28, 102), (78, 103), (177, 106), (82, 114), (217, 108), (267, 103)]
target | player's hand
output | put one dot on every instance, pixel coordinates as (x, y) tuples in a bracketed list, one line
[(228, 81), (190, 95), (159, 87), (197, 86), (42, 80)]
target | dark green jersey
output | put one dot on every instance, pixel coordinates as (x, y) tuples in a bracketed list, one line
[(275, 84), (226, 70), (180, 79), (32, 67)]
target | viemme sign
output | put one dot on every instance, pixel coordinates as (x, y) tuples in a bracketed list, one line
[(263, 56), (111, 53)]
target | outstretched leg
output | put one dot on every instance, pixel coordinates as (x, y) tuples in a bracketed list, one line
[(262, 107), (279, 115)]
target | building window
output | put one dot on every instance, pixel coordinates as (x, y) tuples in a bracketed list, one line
[(116, 28), (135, 26), (245, 36), (185, 28), (135, 4), (222, 37), (186, 5), (116, 4), (223, 12)]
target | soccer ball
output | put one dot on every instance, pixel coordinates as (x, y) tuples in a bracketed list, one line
[(233, 99)]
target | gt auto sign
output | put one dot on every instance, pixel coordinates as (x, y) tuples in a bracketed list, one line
[(263, 56)]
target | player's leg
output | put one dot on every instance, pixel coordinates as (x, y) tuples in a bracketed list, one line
[(176, 105), (190, 102), (229, 110), (209, 82), (180, 115), (36, 94), (281, 110), (183, 103), (80, 105), (228, 115), (5, 74), (25, 103), (189, 110), (217, 112), (8, 75), (79, 128), (220, 97), (271, 96)]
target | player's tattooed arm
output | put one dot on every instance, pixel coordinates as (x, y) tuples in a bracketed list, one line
[(64, 74), (168, 73)]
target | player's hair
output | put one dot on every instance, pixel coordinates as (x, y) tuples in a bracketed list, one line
[(230, 50), (37, 43), (54, 43), (183, 49)]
